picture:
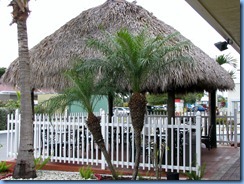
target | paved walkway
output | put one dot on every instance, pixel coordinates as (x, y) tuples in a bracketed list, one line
[(233, 173), (222, 163)]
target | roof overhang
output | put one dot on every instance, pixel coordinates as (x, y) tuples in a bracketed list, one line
[(223, 16)]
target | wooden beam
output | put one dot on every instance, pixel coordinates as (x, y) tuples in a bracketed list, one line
[(212, 117)]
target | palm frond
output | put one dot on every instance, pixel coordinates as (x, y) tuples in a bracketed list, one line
[(84, 90), (227, 59)]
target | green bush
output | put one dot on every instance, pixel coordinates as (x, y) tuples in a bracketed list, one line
[(4, 167), (3, 118), (86, 173), (2, 103), (193, 176), (221, 121), (39, 164)]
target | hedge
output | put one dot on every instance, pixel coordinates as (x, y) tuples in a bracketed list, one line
[(3, 118)]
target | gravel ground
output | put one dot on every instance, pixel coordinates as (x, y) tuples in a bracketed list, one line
[(52, 175)]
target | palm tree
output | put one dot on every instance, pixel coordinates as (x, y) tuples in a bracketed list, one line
[(227, 59), (129, 61), (86, 90), (222, 59), (24, 167)]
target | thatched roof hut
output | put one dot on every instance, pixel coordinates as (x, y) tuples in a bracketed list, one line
[(54, 54)]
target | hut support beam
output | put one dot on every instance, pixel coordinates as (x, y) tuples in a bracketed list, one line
[(171, 114), (110, 107), (212, 117)]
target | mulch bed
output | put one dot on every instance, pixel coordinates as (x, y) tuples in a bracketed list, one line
[(5, 174), (111, 178), (108, 177)]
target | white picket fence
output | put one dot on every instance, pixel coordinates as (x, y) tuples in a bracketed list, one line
[(67, 140)]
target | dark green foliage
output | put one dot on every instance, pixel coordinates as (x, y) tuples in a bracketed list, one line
[(3, 118), (194, 176), (158, 99), (39, 164), (4, 167), (14, 104), (2, 103), (2, 71), (221, 121), (86, 172), (191, 98)]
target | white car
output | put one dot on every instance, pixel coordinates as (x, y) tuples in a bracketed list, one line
[(120, 110), (163, 107)]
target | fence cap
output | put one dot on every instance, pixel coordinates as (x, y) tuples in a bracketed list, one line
[(198, 113)]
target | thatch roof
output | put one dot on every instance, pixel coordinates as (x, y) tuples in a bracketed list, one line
[(54, 54)]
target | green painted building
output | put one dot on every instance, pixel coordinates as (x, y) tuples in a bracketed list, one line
[(76, 106), (101, 104)]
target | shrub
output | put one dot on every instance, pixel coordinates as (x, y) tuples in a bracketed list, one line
[(220, 121), (4, 167), (193, 175), (86, 173), (3, 118), (39, 164), (2, 103)]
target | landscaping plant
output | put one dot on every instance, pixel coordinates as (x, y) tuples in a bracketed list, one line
[(128, 62), (86, 172), (158, 158), (193, 174), (39, 164), (4, 167), (87, 91)]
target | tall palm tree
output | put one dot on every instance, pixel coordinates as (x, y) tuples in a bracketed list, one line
[(130, 60), (24, 167), (86, 90)]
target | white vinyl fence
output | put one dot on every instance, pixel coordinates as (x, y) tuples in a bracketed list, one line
[(175, 146)]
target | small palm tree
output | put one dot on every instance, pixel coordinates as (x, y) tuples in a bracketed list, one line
[(85, 90), (128, 62)]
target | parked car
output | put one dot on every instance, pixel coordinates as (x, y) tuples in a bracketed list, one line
[(163, 107), (197, 108), (150, 109), (120, 110)]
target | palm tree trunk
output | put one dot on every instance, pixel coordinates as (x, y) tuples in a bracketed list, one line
[(93, 124), (137, 106), (25, 167), (101, 145)]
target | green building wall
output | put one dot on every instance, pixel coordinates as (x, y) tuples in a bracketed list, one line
[(101, 104)]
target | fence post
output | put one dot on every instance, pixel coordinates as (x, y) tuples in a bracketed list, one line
[(235, 128), (103, 118), (8, 132), (198, 142), (17, 132)]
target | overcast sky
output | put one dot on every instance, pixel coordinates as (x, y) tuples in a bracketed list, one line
[(49, 15)]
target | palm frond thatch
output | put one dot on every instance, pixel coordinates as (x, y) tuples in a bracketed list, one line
[(54, 54)]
